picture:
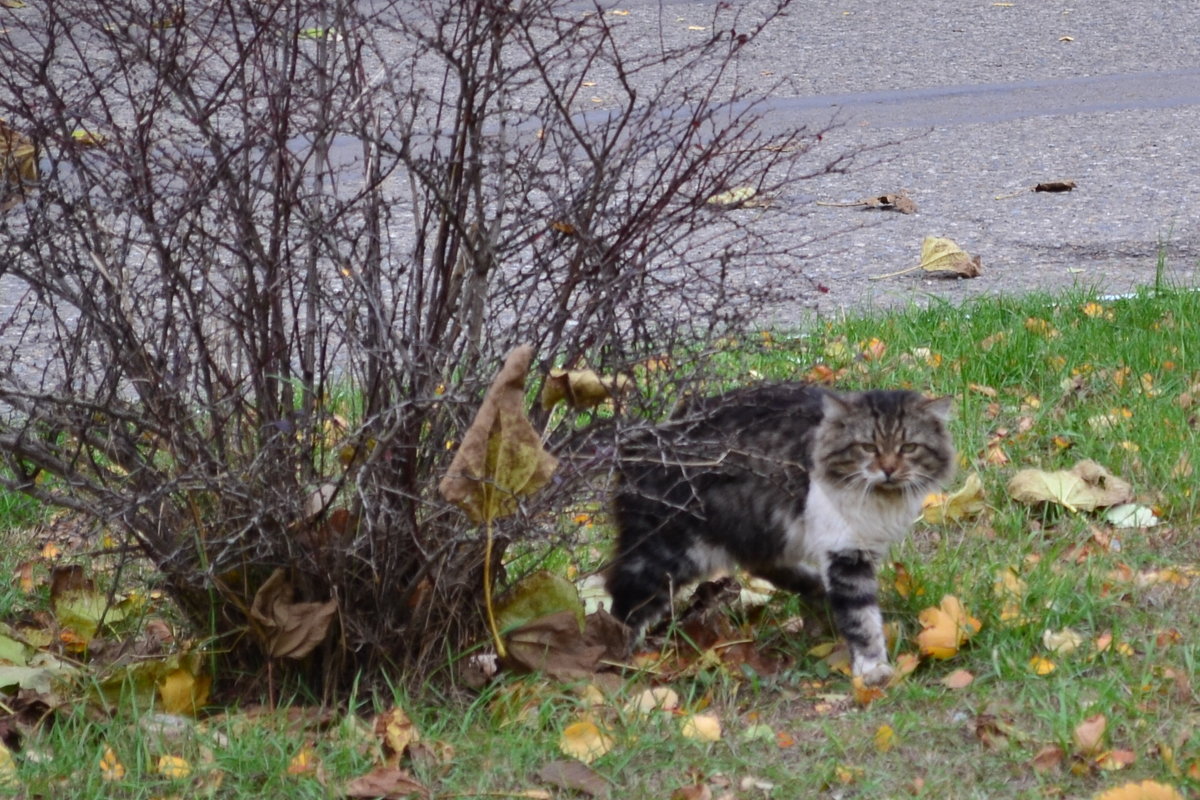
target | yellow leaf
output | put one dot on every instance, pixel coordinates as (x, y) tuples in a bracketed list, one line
[(111, 769), (967, 502), (946, 628), (397, 732), (734, 197), (8, 767), (1041, 666), (1146, 790), (702, 728), (173, 767), (865, 695), (905, 585), (1062, 642), (581, 388), (1085, 487), (939, 254), (585, 741), (303, 762), (885, 738), (182, 692)]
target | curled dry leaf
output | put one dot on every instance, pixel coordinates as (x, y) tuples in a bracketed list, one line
[(1062, 642), (581, 388), (659, 698), (501, 457), (967, 502), (288, 629), (397, 732), (959, 679), (939, 254), (734, 198), (1085, 487), (1055, 186), (898, 201)]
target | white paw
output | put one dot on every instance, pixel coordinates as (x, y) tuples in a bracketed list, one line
[(873, 673)]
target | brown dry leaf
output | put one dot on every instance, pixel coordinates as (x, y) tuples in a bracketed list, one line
[(659, 698), (581, 388), (397, 732), (555, 645), (585, 741), (1085, 487), (388, 783), (288, 629), (574, 776), (697, 791), (959, 679), (1146, 790), (897, 201), (865, 695), (1055, 186), (1088, 735), (1048, 758), (501, 457), (18, 165)]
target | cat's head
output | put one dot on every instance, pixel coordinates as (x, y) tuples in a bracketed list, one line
[(888, 441)]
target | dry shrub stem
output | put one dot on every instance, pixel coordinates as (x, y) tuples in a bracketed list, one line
[(244, 327)]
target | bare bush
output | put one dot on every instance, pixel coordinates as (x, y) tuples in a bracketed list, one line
[(251, 309)]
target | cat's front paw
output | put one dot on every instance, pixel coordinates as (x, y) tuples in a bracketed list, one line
[(874, 673)]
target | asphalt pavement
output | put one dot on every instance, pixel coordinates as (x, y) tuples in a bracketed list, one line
[(961, 101)]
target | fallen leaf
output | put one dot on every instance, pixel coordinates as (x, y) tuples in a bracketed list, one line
[(865, 695), (389, 783), (939, 254), (1146, 790), (1041, 666), (1088, 735), (963, 504), (946, 628), (959, 679), (1062, 642), (288, 629), (701, 727), (574, 776), (659, 698), (585, 741), (537, 595), (303, 763), (182, 692), (1056, 186), (1085, 487), (111, 769), (173, 767), (555, 645), (397, 732), (1048, 758), (733, 198), (697, 791), (1131, 515), (885, 738)]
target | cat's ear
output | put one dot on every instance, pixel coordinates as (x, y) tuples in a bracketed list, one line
[(835, 406), (939, 407)]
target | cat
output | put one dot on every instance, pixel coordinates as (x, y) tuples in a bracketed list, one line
[(801, 485)]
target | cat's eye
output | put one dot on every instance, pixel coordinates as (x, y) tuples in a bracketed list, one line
[(908, 448), (869, 448)]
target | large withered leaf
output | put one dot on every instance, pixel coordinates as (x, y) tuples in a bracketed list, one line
[(385, 782), (538, 595), (1084, 487), (574, 776), (501, 457), (555, 645), (939, 254), (287, 629)]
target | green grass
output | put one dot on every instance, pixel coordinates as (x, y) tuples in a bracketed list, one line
[(1040, 381)]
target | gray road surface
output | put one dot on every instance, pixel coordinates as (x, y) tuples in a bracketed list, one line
[(984, 98)]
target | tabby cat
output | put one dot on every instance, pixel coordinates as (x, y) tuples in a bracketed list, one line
[(799, 485)]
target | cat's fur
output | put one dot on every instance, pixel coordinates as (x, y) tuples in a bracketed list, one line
[(800, 485)]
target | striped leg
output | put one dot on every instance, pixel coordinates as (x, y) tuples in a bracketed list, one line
[(852, 588)]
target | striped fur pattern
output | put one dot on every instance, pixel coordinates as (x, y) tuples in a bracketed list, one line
[(797, 484)]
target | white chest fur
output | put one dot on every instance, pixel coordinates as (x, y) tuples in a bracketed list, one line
[(835, 520)]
